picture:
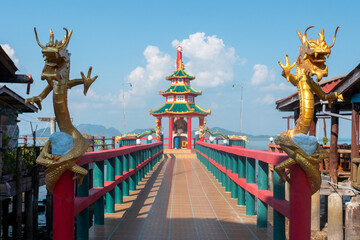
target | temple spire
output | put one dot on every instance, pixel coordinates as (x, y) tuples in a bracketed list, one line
[(179, 63)]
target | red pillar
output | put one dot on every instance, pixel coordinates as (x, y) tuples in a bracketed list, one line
[(171, 124), (189, 133), (300, 205), (63, 208)]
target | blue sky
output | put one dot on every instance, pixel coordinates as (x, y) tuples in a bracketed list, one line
[(134, 41)]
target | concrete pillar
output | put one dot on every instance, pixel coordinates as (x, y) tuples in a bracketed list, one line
[(52, 125), (315, 211), (352, 220), (335, 217)]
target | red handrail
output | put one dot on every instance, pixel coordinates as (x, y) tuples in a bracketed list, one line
[(298, 209)]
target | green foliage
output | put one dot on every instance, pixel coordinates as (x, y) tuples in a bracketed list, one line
[(325, 140), (9, 160)]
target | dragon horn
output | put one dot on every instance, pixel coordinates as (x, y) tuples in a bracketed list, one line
[(66, 39), (305, 34), (334, 36), (37, 39), (321, 35), (51, 41)]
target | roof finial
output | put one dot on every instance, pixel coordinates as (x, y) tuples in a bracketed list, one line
[(179, 64)]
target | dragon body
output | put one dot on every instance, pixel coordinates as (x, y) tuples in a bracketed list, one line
[(56, 72), (311, 61)]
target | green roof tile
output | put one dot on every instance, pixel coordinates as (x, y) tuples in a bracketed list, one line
[(180, 73), (180, 89)]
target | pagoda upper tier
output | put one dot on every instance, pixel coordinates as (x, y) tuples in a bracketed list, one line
[(180, 96)]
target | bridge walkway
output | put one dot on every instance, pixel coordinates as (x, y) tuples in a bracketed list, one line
[(179, 199)]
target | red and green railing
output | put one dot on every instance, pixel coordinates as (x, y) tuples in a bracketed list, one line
[(234, 168), (125, 168)]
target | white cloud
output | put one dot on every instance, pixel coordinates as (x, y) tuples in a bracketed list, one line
[(145, 80), (262, 74), (268, 99), (210, 60), (11, 53), (282, 87)]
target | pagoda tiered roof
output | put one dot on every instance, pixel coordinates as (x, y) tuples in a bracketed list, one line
[(180, 73), (180, 108), (180, 96), (180, 89)]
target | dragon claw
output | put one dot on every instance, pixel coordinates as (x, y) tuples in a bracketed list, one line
[(88, 80)]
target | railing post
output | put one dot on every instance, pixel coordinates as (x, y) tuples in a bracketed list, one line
[(279, 219), (234, 169), (102, 142), (300, 205), (125, 170), (227, 167), (241, 191), (250, 178), (92, 143), (82, 219), (110, 176), (63, 210), (99, 182), (262, 208), (118, 172), (132, 181), (113, 142)]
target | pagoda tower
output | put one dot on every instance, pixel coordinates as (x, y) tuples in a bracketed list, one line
[(179, 105)]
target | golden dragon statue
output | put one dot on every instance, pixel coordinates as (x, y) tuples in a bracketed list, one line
[(56, 73), (311, 61)]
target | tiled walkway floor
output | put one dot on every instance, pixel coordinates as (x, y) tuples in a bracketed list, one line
[(180, 199)]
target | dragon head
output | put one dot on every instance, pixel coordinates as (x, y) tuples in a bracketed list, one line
[(57, 57), (313, 54)]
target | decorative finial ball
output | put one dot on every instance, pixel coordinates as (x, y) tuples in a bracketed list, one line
[(179, 48), (271, 139)]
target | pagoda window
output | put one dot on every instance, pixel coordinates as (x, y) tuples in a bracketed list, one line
[(180, 81), (173, 81), (170, 98), (190, 99), (180, 98), (187, 82)]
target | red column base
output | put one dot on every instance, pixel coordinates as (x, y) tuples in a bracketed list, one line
[(63, 208)]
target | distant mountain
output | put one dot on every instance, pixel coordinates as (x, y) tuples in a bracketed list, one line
[(93, 129), (90, 129)]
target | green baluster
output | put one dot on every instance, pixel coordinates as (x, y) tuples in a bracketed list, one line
[(110, 176), (262, 208), (242, 171), (279, 219), (234, 166), (99, 182), (82, 219), (132, 186), (250, 178), (125, 169), (227, 178), (118, 172)]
